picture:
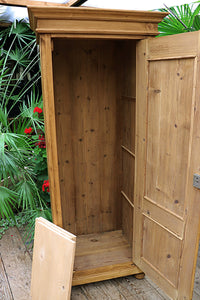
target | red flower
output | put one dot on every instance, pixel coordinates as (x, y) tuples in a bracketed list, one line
[(45, 186), (42, 143), (38, 110), (28, 130)]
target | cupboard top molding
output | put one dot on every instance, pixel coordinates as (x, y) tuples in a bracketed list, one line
[(94, 23)]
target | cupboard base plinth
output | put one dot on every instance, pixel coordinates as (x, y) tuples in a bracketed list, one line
[(104, 273), (102, 256)]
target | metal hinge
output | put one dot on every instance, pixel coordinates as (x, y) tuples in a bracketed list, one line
[(196, 181)]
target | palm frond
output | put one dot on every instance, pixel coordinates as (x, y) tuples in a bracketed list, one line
[(8, 201), (26, 190), (183, 18)]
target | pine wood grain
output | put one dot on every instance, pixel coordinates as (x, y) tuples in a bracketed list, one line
[(127, 220), (192, 211), (88, 132), (50, 128), (105, 273), (164, 49), (127, 81), (164, 158), (127, 288), (164, 153), (99, 23), (53, 260), (102, 256), (88, 115), (167, 114), (85, 116)]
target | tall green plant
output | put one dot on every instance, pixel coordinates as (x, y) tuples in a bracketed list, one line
[(23, 163), (183, 18), (20, 61)]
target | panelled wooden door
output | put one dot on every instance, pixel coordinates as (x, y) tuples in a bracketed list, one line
[(167, 206)]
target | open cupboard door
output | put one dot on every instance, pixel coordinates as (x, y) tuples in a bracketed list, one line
[(167, 205)]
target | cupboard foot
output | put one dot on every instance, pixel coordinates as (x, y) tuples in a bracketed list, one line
[(139, 276)]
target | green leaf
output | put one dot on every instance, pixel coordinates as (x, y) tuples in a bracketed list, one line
[(2, 144), (20, 58), (196, 23), (20, 93), (181, 19), (27, 191), (194, 14), (8, 201), (3, 118)]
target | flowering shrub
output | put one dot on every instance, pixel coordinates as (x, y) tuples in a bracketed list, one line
[(45, 186), (27, 190), (39, 158), (38, 110), (23, 161), (28, 130), (41, 143)]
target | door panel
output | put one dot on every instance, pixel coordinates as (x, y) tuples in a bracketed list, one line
[(156, 235), (169, 131), (167, 206)]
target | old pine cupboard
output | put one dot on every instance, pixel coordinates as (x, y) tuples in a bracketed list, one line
[(122, 121)]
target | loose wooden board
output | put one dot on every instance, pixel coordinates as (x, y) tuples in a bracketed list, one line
[(53, 260)]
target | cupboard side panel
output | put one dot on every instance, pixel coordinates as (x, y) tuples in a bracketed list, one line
[(50, 127), (63, 111), (128, 102), (127, 220), (110, 135)]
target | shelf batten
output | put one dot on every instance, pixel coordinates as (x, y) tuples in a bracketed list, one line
[(126, 197), (127, 150)]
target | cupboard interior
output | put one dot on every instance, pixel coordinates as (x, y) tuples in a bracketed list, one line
[(95, 94)]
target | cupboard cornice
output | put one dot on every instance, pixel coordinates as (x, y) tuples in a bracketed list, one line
[(94, 23)]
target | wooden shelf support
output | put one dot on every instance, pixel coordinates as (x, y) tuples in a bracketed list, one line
[(127, 150), (126, 197)]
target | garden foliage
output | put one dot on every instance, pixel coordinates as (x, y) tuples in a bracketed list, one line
[(23, 162), (183, 18)]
